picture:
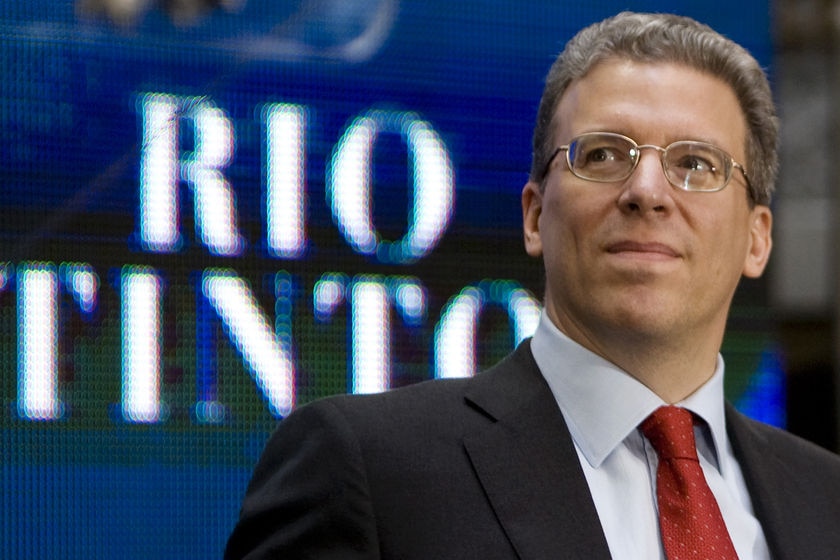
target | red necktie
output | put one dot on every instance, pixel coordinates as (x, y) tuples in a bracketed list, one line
[(689, 517)]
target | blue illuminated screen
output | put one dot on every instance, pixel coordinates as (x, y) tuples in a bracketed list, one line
[(209, 220)]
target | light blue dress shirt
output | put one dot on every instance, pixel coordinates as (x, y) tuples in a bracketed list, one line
[(603, 407)]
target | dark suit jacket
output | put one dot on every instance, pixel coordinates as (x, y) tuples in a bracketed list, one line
[(485, 468)]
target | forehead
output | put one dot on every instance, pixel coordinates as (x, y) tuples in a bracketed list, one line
[(655, 103)]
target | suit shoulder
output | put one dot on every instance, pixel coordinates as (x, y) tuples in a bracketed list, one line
[(511, 380), (425, 395), (786, 439), (792, 449)]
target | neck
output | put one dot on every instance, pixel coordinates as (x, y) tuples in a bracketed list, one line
[(668, 365), (673, 374)]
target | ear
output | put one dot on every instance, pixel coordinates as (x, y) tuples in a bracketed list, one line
[(761, 241), (531, 211)]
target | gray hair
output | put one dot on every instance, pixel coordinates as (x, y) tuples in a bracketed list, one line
[(675, 39)]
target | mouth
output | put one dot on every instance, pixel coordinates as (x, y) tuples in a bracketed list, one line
[(642, 250)]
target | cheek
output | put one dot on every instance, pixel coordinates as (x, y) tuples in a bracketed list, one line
[(568, 230), (723, 247), (557, 223), (572, 211)]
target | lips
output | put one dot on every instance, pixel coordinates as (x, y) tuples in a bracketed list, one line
[(642, 249)]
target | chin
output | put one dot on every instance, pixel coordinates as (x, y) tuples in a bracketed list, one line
[(640, 316)]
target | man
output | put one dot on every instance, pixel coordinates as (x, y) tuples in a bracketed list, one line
[(654, 162)]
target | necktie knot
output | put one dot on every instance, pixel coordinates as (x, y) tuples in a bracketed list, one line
[(670, 430)]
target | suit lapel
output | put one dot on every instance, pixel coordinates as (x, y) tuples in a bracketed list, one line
[(528, 466), (761, 475), (780, 500)]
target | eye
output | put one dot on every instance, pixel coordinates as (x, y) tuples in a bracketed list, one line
[(697, 164), (602, 155), (696, 158)]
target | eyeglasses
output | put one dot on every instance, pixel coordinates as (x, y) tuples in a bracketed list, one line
[(605, 157)]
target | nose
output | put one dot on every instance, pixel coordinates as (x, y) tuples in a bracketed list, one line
[(647, 190)]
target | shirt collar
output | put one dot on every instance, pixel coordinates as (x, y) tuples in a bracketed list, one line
[(602, 404)]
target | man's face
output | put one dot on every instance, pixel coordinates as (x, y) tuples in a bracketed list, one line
[(639, 258)]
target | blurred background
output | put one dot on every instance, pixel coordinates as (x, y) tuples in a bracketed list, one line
[(214, 211), (803, 277)]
